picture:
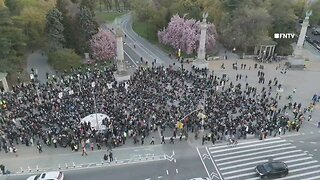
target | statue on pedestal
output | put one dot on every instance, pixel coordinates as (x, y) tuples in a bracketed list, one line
[(201, 58)]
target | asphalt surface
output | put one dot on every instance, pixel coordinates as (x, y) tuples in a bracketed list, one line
[(189, 159)]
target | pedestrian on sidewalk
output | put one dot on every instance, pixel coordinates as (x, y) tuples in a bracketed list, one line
[(162, 140), (171, 140), (55, 142), (39, 147), (152, 140), (105, 157), (91, 146), (98, 145), (142, 140), (84, 151), (110, 156)]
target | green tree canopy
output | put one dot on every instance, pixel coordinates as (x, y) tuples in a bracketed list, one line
[(54, 29)]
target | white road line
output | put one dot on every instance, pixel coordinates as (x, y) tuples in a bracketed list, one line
[(177, 171), (215, 166), (236, 171), (265, 156), (305, 168), (301, 164), (313, 142), (167, 172), (252, 149), (260, 152), (131, 59), (295, 160), (243, 143), (239, 175), (299, 175), (286, 157), (252, 145), (315, 150), (312, 178), (301, 141), (205, 167), (254, 178), (159, 177), (244, 164)]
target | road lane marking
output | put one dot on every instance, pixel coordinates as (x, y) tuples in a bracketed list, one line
[(260, 152), (295, 160), (252, 145), (244, 164), (253, 149), (299, 175), (243, 143), (205, 167), (240, 175), (177, 171), (215, 166), (159, 177), (305, 168), (304, 163), (265, 156)]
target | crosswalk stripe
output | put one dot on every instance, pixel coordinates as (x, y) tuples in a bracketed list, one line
[(304, 163), (295, 160), (286, 157), (253, 149), (250, 154), (240, 175), (243, 143), (239, 146), (312, 178), (265, 156), (254, 178), (239, 170), (244, 164), (299, 175), (301, 169)]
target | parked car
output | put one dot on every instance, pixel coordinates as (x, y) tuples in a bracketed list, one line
[(52, 175), (315, 32), (274, 169), (315, 42), (308, 39)]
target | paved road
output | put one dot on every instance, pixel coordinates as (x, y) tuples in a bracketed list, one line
[(239, 161)]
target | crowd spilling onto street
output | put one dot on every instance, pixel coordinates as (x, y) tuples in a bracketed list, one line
[(154, 98)]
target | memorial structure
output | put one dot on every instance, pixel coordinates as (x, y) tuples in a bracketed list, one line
[(122, 73), (201, 62), (297, 60), (3, 79)]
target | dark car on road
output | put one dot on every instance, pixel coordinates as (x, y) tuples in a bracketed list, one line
[(315, 32), (274, 169)]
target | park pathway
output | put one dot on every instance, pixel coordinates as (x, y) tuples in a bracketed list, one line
[(39, 62)]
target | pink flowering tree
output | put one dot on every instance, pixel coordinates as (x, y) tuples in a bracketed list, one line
[(103, 45), (184, 34)]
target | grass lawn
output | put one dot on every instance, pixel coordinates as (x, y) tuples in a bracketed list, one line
[(106, 16)]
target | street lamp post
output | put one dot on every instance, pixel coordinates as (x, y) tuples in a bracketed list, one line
[(93, 85)]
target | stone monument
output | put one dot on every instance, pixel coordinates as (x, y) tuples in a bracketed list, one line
[(4, 81), (122, 73), (201, 58), (296, 60)]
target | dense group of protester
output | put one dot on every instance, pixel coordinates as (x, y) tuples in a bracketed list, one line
[(50, 114)]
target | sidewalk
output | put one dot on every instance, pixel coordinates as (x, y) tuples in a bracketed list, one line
[(29, 159)]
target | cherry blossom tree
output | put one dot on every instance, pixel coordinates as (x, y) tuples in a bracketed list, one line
[(103, 45), (184, 34)]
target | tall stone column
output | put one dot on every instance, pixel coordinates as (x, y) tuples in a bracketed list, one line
[(202, 43), (298, 50), (201, 58), (4, 81), (297, 61), (120, 52)]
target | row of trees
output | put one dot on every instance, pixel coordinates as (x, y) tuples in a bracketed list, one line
[(22, 25), (184, 34), (241, 24), (64, 28), (78, 30)]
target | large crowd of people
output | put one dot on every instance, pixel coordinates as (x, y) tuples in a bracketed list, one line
[(50, 114)]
